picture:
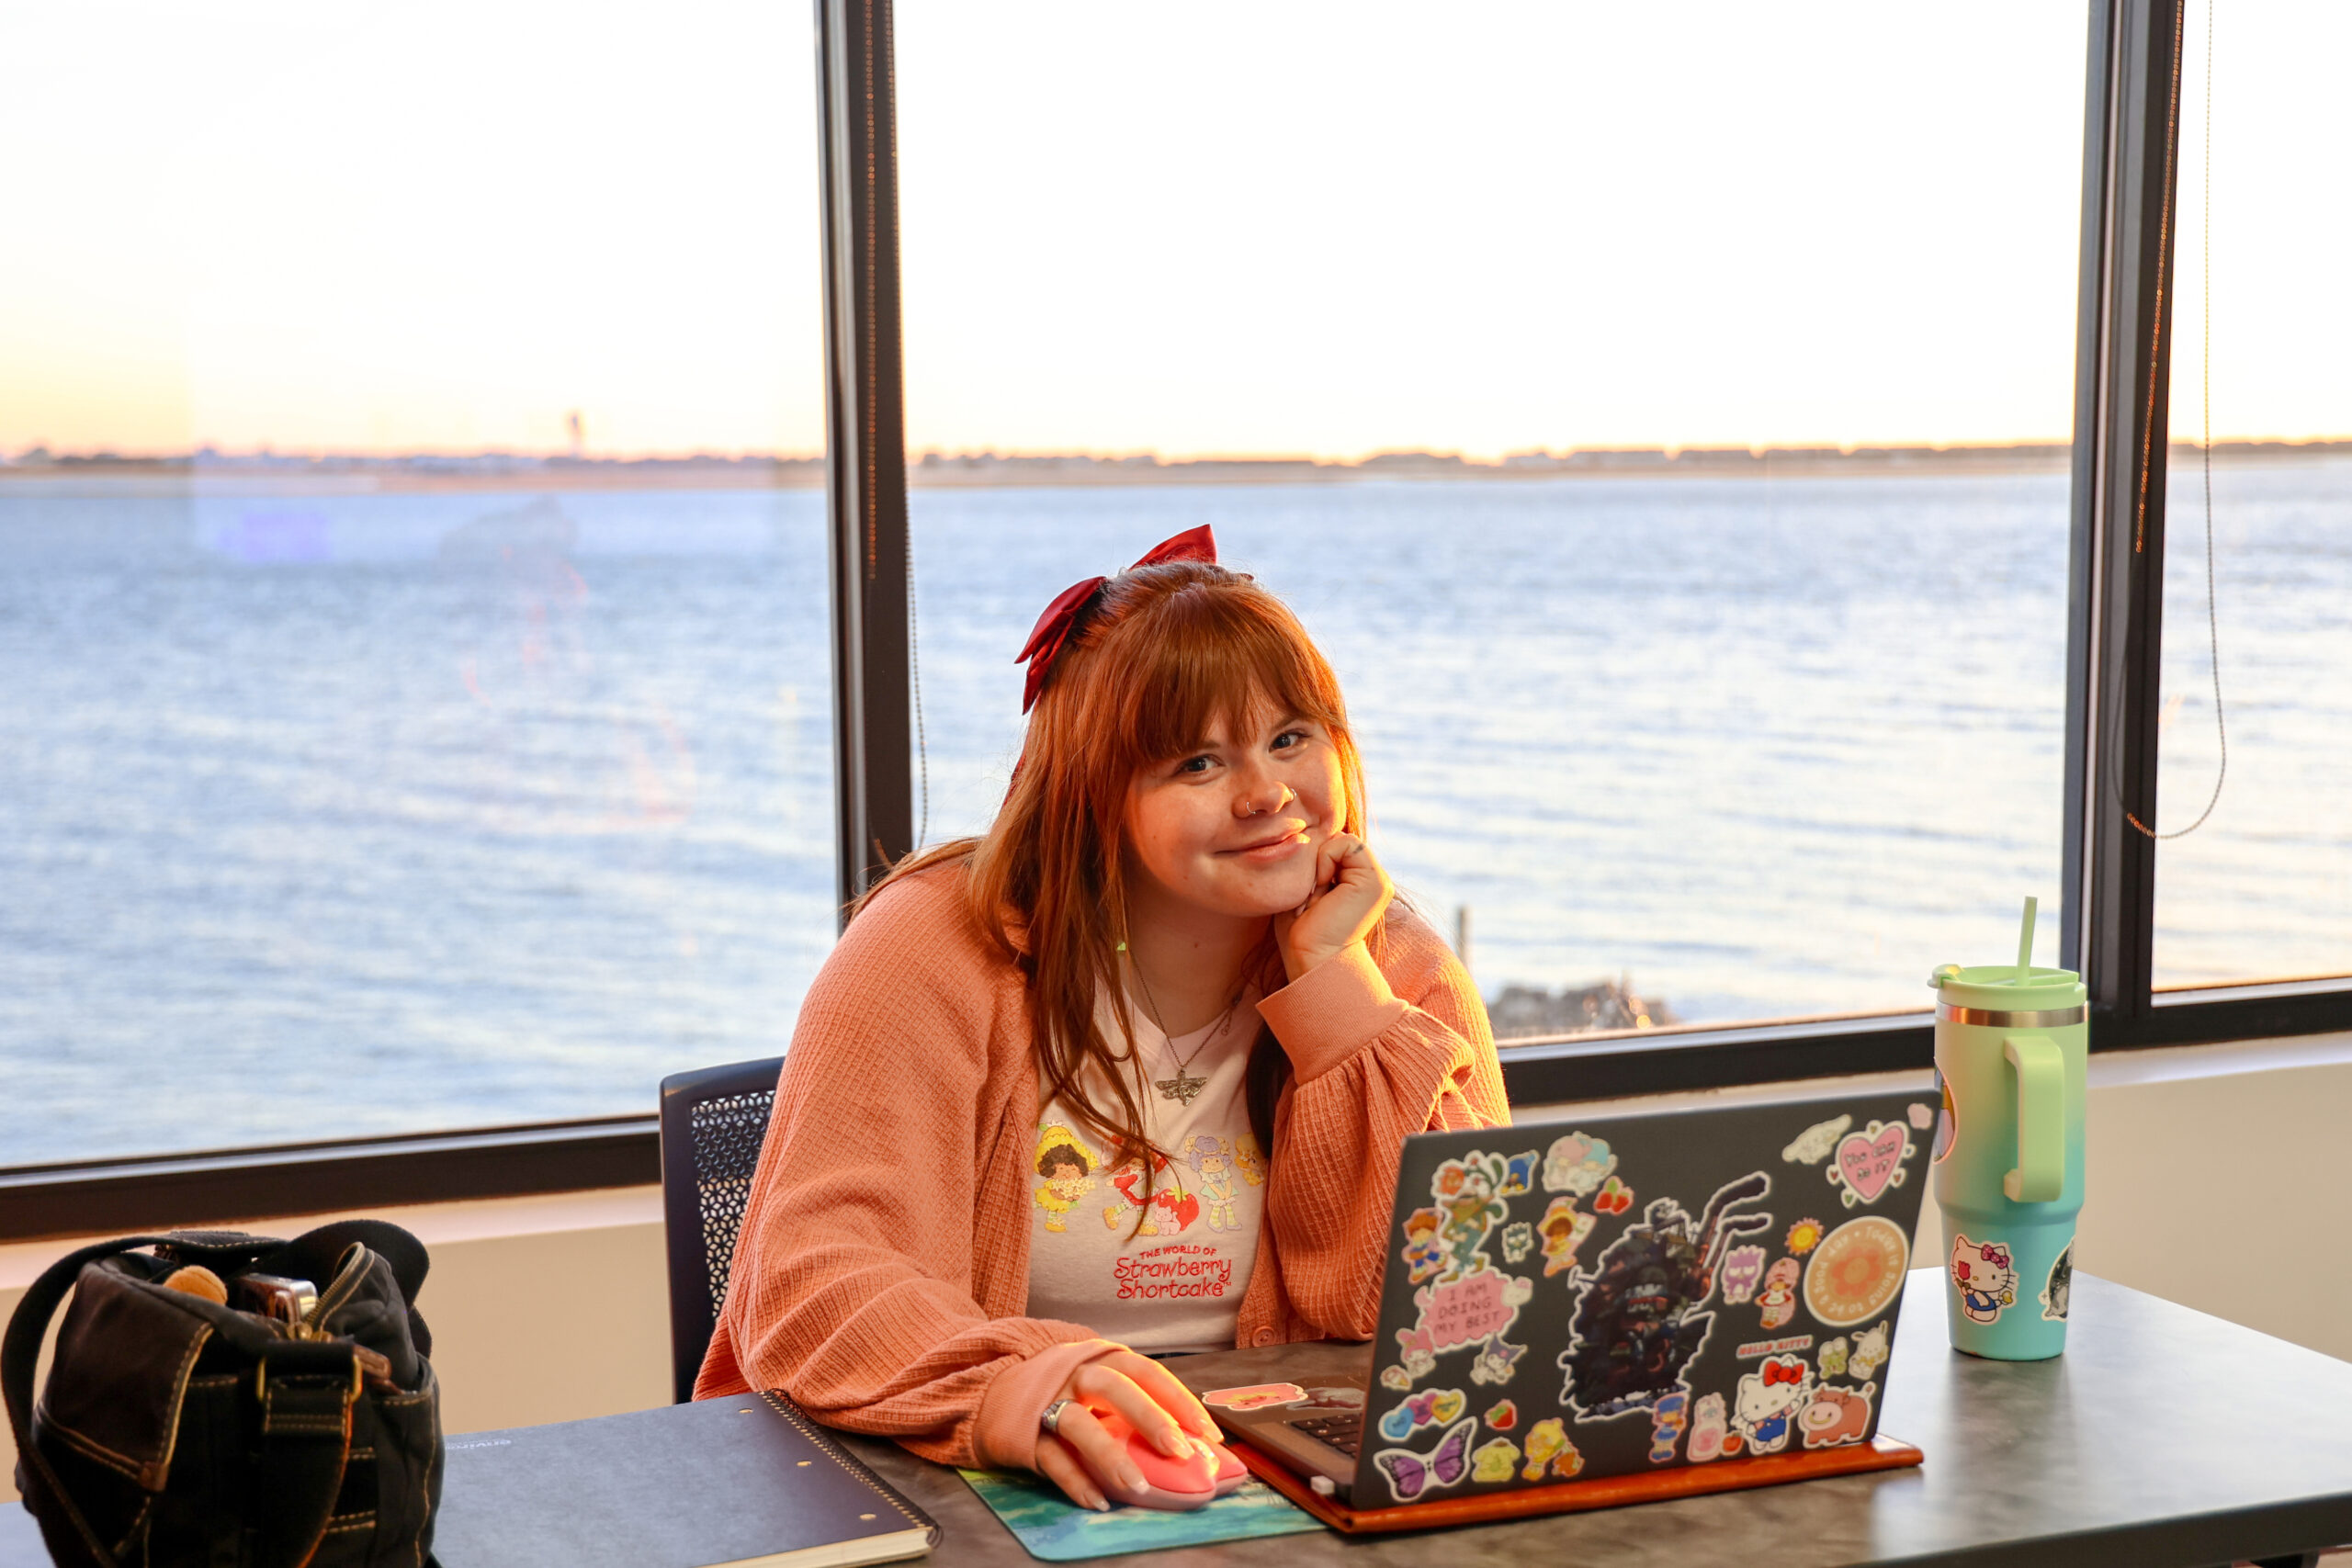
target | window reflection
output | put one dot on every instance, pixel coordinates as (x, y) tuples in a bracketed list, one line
[(1661, 425), (2258, 891), (412, 654)]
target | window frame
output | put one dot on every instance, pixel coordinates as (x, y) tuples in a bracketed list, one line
[(2113, 639)]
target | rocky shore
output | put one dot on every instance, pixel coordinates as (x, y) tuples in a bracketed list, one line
[(1530, 1013)]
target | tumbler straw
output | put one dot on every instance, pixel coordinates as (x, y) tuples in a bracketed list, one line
[(2025, 943)]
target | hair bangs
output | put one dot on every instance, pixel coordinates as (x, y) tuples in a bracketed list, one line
[(1202, 660)]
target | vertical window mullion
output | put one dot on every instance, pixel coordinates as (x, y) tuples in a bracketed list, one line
[(866, 473), (2114, 633)]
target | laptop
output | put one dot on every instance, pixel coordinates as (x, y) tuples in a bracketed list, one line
[(1617, 1295)]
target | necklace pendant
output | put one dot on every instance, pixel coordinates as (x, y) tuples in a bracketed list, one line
[(1181, 1088)]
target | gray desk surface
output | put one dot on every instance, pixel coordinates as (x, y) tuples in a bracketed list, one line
[(2163, 1438)]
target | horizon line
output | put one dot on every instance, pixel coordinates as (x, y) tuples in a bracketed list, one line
[(39, 455)]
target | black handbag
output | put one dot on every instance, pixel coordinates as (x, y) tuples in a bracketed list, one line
[(299, 1424)]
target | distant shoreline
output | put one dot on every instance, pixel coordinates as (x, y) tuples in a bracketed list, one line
[(518, 471)]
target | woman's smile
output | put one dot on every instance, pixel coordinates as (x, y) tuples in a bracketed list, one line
[(1268, 849)]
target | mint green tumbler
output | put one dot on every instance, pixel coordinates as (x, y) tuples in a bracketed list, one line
[(2010, 1046)]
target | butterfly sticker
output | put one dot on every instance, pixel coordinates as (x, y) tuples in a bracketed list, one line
[(1410, 1474)]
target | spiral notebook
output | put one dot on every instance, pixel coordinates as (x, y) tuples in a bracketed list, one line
[(745, 1481)]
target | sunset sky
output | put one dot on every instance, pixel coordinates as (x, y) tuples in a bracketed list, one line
[(1327, 228)]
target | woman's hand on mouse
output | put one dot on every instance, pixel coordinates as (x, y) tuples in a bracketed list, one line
[(1349, 895), (1082, 1457)]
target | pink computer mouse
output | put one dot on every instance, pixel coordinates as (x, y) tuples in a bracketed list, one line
[(1202, 1476)]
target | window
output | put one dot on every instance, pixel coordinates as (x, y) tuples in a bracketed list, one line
[(2259, 892), (1665, 430), (1661, 424), (414, 708)]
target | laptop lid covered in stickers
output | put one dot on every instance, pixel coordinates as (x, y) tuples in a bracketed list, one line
[(1619, 1294)]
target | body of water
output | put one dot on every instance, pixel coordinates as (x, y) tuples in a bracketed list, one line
[(344, 811)]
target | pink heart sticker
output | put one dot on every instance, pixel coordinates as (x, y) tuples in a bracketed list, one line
[(1867, 1163)]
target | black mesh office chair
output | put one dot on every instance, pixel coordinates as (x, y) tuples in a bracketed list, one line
[(713, 1121)]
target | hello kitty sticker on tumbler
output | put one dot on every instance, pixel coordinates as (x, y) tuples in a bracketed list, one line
[(1982, 1273), (1867, 1163)]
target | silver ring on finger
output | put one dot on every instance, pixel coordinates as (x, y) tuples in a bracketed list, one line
[(1050, 1420)]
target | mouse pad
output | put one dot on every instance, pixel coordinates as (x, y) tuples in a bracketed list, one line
[(1052, 1528)]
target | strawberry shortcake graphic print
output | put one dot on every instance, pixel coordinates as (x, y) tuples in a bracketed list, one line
[(1157, 1264)]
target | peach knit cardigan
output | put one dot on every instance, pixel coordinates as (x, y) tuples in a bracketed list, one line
[(884, 1262)]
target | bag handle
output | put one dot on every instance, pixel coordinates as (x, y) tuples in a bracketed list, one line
[(20, 1354)]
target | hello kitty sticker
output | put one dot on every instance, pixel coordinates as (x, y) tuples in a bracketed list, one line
[(1983, 1274), (1867, 1163), (1768, 1402)]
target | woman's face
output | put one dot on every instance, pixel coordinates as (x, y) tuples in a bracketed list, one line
[(1231, 829)]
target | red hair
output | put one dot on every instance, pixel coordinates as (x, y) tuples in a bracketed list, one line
[(1161, 656)]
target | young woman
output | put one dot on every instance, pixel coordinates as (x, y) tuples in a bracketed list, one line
[(1128, 1074)]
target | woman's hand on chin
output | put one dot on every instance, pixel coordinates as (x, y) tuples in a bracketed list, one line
[(1085, 1461), (1350, 894)]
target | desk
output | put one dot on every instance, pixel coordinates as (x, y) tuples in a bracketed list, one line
[(2163, 1438)]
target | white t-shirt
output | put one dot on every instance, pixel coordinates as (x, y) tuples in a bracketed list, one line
[(1177, 1283)]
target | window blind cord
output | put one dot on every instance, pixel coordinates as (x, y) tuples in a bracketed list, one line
[(2212, 617), (914, 676)]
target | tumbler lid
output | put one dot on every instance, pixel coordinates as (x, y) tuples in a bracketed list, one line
[(1997, 986)]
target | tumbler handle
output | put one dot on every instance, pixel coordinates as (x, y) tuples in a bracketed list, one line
[(2040, 1173)]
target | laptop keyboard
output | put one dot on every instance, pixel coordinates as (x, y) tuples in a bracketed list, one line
[(1344, 1433)]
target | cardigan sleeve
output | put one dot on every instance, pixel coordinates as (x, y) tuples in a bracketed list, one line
[(853, 1288), (1379, 1049)]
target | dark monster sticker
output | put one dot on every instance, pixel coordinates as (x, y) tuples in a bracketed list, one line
[(2057, 1293), (1637, 1325)]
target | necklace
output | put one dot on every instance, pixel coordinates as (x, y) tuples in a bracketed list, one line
[(1184, 1085)]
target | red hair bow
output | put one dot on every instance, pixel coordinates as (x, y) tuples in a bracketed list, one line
[(1053, 627), (1777, 1370)]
